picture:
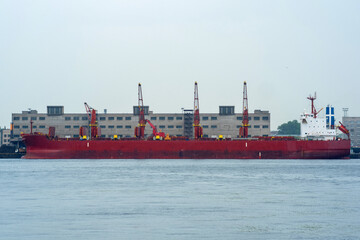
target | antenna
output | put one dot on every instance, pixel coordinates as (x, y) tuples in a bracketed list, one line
[(345, 111)]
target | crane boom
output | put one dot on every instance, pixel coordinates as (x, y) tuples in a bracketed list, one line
[(140, 130), (198, 131), (243, 132), (93, 123)]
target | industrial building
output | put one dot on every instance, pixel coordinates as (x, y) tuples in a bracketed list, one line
[(353, 125), (4, 136), (226, 122)]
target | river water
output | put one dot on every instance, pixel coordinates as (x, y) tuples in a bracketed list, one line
[(179, 199)]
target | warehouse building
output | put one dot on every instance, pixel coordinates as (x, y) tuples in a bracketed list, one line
[(226, 122), (4, 136), (353, 125)]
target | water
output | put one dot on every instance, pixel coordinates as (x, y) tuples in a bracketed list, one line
[(179, 199)]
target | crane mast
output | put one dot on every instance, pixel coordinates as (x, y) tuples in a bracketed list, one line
[(93, 123), (140, 130), (198, 131), (243, 132)]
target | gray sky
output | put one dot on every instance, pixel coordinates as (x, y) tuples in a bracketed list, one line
[(71, 51)]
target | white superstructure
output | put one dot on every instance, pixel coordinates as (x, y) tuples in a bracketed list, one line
[(312, 127)]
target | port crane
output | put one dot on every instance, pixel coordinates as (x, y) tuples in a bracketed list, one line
[(140, 130), (93, 123), (198, 130), (243, 131)]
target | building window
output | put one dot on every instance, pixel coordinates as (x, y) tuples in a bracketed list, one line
[(265, 126), (16, 135), (102, 118), (102, 126), (127, 126), (178, 126), (76, 135), (256, 118), (16, 126), (205, 135), (256, 126), (162, 126), (41, 126), (25, 126), (119, 126), (205, 126), (119, 118), (249, 118), (213, 118), (127, 118), (205, 118), (103, 136), (178, 118), (238, 126), (76, 126), (24, 118), (161, 118), (16, 118), (41, 118), (111, 126), (84, 118), (265, 118), (170, 118), (213, 126), (171, 126), (226, 110), (33, 118), (67, 118), (111, 118), (55, 110), (34, 127), (67, 126), (152, 118), (76, 118)]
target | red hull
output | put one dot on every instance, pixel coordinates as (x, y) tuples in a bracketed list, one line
[(40, 147)]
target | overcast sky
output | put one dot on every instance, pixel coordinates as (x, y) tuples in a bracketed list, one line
[(71, 51)]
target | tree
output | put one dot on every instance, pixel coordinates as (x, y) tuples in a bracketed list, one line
[(289, 128)]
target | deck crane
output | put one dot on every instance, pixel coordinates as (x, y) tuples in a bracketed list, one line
[(140, 130), (198, 130), (156, 135), (93, 123), (344, 129), (313, 110), (243, 132)]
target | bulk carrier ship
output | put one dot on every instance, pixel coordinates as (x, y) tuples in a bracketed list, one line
[(318, 141)]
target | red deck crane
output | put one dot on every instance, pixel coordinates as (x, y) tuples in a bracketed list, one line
[(344, 129), (140, 130), (198, 130), (243, 132), (93, 123), (156, 134)]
